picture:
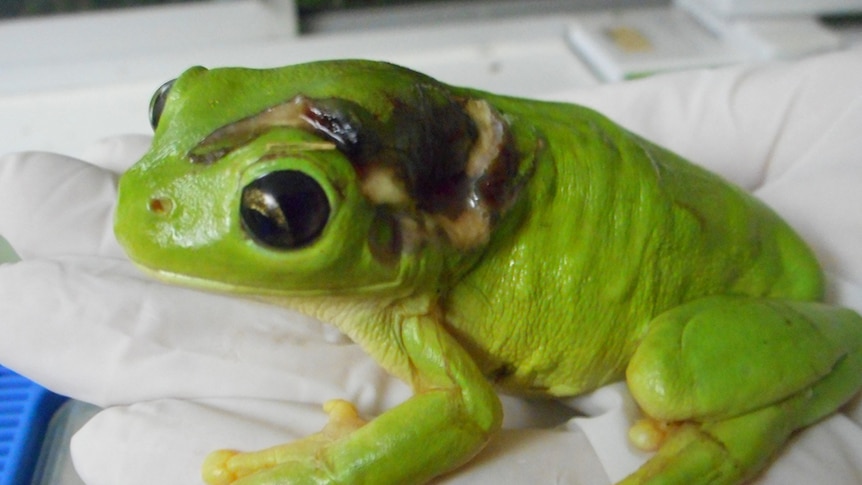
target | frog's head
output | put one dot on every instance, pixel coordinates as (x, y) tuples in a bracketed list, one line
[(325, 177)]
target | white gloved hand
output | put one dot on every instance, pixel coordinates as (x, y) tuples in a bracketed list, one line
[(183, 372)]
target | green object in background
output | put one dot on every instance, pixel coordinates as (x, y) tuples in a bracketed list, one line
[(7, 254), (19, 8), (337, 4)]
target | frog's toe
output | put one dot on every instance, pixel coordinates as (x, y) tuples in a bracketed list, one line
[(650, 434), (688, 454), (343, 419), (216, 469)]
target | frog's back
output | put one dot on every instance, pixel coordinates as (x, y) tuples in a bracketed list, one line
[(611, 231)]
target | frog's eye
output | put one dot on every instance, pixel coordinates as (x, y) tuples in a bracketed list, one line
[(157, 103), (284, 209)]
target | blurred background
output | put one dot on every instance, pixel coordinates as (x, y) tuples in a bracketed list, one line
[(11, 8), (75, 71)]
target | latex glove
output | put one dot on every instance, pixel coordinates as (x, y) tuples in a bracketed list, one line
[(185, 372)]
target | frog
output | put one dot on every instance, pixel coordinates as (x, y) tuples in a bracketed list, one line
[(477, 244)]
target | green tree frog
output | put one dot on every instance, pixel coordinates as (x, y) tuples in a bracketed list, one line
[(473, 244)]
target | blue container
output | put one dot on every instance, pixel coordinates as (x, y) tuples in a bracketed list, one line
[(25, 410)]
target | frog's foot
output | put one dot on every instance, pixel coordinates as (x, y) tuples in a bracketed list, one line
[(737, 376), (224, 467), (650, 434)]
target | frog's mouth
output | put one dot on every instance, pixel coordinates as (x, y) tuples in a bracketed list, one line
[(447, 166), (263, 292), (207, 284)]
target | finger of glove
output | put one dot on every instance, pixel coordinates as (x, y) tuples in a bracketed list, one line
[(52, 204), (128, 444), (819, 194), (134, 438), (827, 452), (107, 335), (748, 123)]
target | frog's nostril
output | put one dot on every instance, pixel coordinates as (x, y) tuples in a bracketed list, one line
[(161, 206)]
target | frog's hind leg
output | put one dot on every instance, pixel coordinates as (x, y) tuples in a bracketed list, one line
[(736, 376)]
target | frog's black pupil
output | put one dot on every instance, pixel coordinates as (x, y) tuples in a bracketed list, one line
[(285, 209), (157, 103)]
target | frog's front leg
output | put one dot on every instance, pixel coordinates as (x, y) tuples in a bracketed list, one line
[(448, 420), (225, 467), (737, 376)]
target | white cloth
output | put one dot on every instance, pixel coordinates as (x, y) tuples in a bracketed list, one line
[(182, 372)]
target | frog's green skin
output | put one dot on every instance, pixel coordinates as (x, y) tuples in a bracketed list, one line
[(473, 243)]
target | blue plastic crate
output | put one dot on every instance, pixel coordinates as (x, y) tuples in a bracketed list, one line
[(25, 411)]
